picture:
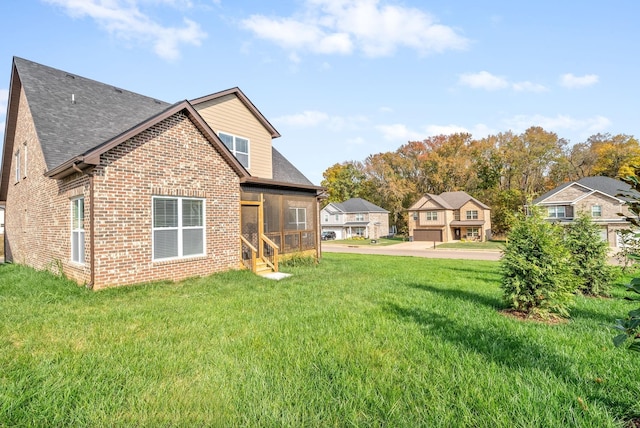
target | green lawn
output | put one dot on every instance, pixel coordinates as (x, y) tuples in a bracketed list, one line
[(356, 341)]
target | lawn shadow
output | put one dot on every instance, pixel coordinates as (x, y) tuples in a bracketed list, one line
[(468, 296), (496, 343)]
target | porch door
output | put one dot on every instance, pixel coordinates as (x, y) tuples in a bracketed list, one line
[(251, 223)]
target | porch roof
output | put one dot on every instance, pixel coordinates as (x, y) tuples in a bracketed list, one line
[(356, 223), (467, 223)]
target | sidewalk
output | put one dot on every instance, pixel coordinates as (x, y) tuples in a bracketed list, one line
[(413, 249)]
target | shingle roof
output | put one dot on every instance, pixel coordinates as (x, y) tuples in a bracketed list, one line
[(284, 171), (607, 185), (358, 205), (73, 115), (98, 111), (458, 199)]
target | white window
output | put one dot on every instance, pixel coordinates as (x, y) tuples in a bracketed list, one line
[(298, 218), (431, 215), (17, 161), (178, 227), (239, 147), (359, 231), (473, 232), (24, 172), (596, 211), (359, 217), (472, 215), (337, 217), (326, 218), (77, 230), (556, 212)]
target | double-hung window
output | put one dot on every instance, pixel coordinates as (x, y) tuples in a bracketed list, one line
[(359, 217), (556, 211), (238, 146), (298, 218), (178, 227), (77, 230), (472, 215), (596, 211), (473, 232), (17, 161), (431, 215)]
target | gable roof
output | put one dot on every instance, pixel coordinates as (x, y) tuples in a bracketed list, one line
[(76, 119), (246, 101), (607, 185), (447, 200), (73, 114), (358, 205), (457, 199)]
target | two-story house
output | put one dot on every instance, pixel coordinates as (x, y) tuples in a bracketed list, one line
[(355, 217), (450, 216), (110, 187), (599, 197)]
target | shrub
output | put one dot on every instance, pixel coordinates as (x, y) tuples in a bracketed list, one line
[(630, 325), (537, 277), (589, 254)]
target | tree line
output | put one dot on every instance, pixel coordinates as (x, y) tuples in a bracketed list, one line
[(504, 171)]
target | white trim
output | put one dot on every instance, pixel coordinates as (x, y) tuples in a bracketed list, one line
[(234, 151), (179, 228), (80, 249)]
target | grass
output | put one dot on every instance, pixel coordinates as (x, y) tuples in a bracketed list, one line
[(474, 245), (357, 341)]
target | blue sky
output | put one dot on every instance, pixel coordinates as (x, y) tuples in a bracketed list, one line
[(343, 79)]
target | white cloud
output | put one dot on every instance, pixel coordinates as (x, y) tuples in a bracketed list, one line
[(399, 132), (312, 118), (124, 19), (560, 122), (483, 80), (491, 82), (369, 26), (528, 87), (570, 81)]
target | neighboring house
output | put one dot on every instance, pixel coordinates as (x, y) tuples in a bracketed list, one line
[(355, 217), (450, 216), (112, 187), (597, 196), (1, 220)]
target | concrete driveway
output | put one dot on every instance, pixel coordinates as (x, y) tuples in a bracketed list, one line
[(415, 249)]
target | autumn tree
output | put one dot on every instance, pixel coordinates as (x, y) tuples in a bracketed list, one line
[(343, 181), (615, 155)]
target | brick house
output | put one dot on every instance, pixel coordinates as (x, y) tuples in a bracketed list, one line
[(598, 196), (355, 217), (110, 187), (450, 216)]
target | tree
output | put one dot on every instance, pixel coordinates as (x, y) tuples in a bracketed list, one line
[(537, 277), (615, 155), (630, 325), (343, 181), (589, 254)]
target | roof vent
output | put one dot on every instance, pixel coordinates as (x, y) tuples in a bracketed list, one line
[(71, 76), (118, 90)]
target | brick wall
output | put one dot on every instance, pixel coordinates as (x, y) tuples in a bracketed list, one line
[(170, 159), (37, 215)]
